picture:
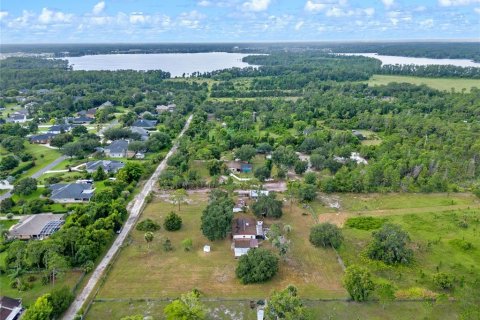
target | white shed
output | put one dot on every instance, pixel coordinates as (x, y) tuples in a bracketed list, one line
[(206, 248)]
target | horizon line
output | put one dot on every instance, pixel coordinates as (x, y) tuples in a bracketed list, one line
[(469, 40)]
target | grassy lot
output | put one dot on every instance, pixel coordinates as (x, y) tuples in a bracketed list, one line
[(43, 157), (435, 83), (141, 274), (240, 310), (69, 279), (439, 244), (6, 224)]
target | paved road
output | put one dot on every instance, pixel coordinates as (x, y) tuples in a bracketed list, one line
[(37, 174), (135, 208)]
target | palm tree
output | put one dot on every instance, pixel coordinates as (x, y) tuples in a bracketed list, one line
[(148, 238)]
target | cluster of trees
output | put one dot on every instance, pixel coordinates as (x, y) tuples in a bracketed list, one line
[(216, 221)]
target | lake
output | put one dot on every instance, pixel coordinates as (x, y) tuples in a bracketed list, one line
[(175, 63), (418, 61)]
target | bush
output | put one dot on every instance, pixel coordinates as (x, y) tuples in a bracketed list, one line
[(357, 281), (364, 223), (173, 222), (25, 186), (390, 245), (325, 235), (258, 265), (148, 225), (443, 281), (6, 205)]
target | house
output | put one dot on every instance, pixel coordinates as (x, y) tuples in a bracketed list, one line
[(245, 233), (17, 118), (90, 113), (254, 194), (239, 167), (10, 308), (109, 166), (166, 108), (60, 128), (71, 192), (247, 228), (81, 120), (44, 138), (241, 247), (106, 104), (146, 124), (37, 226), (141, 131), (117, 149)]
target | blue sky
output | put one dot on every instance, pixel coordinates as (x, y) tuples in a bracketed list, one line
[(62, 21)]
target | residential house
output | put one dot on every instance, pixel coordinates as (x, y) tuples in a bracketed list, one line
[(17, 118), (245, 233), (81, 120), (254, 194), (166, 108), (60, 128), (10, 308), (106, 104), (37, 226), (109, 166), (90, 113), (145, 124), (43, 138), (239, 167), (117, 149), (71, 192), (141, 131)]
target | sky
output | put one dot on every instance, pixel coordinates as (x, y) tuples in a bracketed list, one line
[(87, 21)]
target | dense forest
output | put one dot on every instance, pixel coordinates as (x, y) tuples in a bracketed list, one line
[(438, 50)]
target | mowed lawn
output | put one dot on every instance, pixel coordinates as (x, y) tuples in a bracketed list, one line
[(141, 273), (435, 83), (43, 156)]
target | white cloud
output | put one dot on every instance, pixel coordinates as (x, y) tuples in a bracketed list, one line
[(338, 12), (420, 8), (477, 10), (451, 3), (299, 25), (50, 16), (256, 5), (138, 18), (427, 23), (369, 11), (98, 8), (191, 19), (388, 3), (3, 14), (314, 7), (204, 3), (21, 21)]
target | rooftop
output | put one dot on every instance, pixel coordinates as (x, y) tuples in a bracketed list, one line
[(37, 226)]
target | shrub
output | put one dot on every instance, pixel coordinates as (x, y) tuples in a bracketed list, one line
[(173, 222), (148, 225), (325, 235), (364, 223), (443, 281), (357, 281), (258, 265), (390, 245)]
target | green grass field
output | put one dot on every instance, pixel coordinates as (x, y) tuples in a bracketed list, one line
[(69, 279), (139, 273), (435, 83)]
